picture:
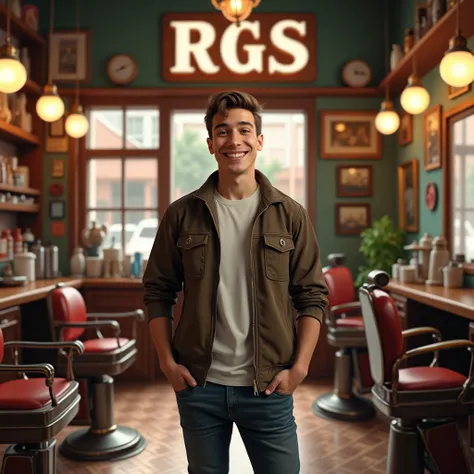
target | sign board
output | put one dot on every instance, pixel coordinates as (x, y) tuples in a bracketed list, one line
[(267, 47)]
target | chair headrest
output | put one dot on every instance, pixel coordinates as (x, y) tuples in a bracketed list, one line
[(336, 259), (377, 279)]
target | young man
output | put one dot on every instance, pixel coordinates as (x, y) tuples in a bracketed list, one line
[(244, 252)]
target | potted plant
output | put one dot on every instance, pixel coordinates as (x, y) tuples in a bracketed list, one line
[(382, 245)]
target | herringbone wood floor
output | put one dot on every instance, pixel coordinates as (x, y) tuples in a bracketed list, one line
[(326, 447)]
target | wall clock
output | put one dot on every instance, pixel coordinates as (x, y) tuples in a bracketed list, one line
[(122, 69), (356, 73), (431, 196)]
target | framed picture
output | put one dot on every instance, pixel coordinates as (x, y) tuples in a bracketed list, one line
[(69, 55), (349, 134), (352, 219), (354, 181), (405, 132), (408, 190), (57, 210), (432, 138), (57, 168), (457, 91), (57, 140)]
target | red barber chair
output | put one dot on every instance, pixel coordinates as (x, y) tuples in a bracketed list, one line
[(33, 411), (424, 401), (345, 332), (103, 357)]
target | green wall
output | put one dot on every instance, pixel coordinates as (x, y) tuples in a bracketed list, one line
[(344, 32), (431, 222)]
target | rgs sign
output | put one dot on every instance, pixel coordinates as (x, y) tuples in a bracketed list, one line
[(267, 47)]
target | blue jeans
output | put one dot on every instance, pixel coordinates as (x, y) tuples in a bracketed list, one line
[(266, 424)]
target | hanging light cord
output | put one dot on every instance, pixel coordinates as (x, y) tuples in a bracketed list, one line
[(77, 31), (458, 18), (7, 34), (51, 30), (387, 46)]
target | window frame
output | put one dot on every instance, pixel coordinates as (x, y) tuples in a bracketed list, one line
[(168, 104), (451, 116)]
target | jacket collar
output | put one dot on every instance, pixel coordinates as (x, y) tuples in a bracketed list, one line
[(269, 193)]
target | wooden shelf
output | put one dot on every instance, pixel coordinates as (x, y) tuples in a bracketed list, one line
[(5, 188), (8, 206), (20, 30), (13, 134), (32, 87), (429, 51)]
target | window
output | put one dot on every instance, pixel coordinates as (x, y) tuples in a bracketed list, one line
[(282, 160), (122, 176), (462, 187)]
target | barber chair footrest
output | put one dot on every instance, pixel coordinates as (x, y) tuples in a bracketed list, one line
[(333, 407), (120, 443), (30, 460)]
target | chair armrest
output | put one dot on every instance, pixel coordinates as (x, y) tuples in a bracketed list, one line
[(341, 308), (88, 324), (138, 314), (436, 334), (73, 346), (7, 323), (44, 369), (437, 346)]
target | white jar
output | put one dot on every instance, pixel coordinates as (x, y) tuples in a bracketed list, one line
[(24, 265)]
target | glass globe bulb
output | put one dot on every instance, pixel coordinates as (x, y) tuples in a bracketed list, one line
[(76, 125), (50, 107), (387, 122), (12, 75), (457, 68), (415, 99), (236, 11)]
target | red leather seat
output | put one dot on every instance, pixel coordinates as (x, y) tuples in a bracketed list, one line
[(350, 322), (29, 394), (105, 344), (429, 378)]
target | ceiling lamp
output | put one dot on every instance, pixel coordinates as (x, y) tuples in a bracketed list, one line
[(50, 107), (76, 124), (387, 120), (457, 66), (414, 98), (235, 11), (12, 73)]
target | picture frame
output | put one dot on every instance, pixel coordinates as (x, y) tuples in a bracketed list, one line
[(405, 132), (69, 56), (57, 141), (57, 209), (454, 92), (57, 168), (352, 218), (432, 151), (354, 180), (408, 195), (349, 134)]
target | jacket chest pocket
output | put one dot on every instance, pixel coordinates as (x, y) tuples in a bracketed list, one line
[(277, 256), (193, 253)]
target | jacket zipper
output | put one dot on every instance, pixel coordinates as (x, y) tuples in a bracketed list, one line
[(214, 316), (256, 384)]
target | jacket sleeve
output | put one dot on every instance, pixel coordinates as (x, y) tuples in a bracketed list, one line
[(307, 286), (163, 277)]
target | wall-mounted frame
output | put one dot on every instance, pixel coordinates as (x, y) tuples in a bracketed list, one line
[(57, 140), (408, 191), (354, 181), (349, 134), (57, 209), (454, 92), (352, 218), (405, 132), (69, 56), (432, 156)]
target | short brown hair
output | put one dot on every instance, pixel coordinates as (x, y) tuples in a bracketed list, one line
[(221, 102)]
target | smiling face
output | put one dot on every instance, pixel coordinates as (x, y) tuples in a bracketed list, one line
[(235, 142)]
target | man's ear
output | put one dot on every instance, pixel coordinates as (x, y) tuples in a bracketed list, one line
[(260, 142), (210, 145)]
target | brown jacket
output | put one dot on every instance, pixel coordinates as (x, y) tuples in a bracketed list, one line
[(285, 268)]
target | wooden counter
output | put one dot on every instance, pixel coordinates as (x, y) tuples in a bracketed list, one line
[(18, 295), (459, 301)]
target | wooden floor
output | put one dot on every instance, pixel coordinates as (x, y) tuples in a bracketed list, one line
[(326, 447)]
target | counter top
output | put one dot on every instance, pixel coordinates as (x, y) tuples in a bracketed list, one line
[(18, 295), (459, 301)]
